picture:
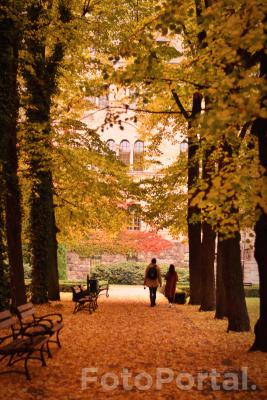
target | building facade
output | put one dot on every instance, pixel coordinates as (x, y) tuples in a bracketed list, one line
[(116, 119)]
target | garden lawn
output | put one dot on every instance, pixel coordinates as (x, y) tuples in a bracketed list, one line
[(125, 333), (253, 304)]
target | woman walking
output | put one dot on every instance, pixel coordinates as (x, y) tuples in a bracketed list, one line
[(171, 281)]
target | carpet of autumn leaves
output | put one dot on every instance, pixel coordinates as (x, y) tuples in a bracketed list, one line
[(126, 333)]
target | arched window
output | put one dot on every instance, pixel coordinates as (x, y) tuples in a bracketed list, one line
[(138, 155), (134, 223), (111, 145), (183, 146), (125, 149)]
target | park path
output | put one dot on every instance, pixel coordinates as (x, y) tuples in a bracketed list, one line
[(126, 336)]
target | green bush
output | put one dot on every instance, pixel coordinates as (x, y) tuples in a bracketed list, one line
[(128, 273), (62, 261), (252, 291), (65, 286), (131, 273)]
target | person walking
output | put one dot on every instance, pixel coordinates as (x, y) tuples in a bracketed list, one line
[(152, 280), (171, 281)]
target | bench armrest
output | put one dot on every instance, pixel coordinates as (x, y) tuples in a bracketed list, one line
[(45, 330), (46, 318)]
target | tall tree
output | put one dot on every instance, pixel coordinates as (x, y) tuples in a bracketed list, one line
[(193, 213), (10, 29), (259, 129), (41, 81)]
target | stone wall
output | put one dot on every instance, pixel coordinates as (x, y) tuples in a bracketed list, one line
[(251, 274), (250, 268), (113, 258), (77, 267), (173, 255)]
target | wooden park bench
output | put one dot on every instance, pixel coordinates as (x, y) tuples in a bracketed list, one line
[(94, 286), (20, 345), (52, 322), (83, 299)]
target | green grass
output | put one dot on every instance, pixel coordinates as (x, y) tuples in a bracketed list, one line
[(253, 304)]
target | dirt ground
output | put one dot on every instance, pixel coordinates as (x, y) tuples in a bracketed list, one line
[(128, 350)]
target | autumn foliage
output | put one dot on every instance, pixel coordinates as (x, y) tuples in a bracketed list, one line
[(148, 242)]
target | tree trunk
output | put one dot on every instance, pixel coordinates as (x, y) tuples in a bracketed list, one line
[(207, 268), (53, 275), (221, 306), (193, 217), (4, 275), (13, 225), (40, 215), (237, 314), (9, 106), (208, 236), (259, 129)]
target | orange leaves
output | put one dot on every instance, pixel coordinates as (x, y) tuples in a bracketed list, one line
[(125, 333), (148, 242)]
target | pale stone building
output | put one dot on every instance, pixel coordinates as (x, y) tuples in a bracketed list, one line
[(114, 116)]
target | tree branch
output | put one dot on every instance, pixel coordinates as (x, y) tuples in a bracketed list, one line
[(126, 108), (244, 130), (179, 104), (86, 7), (146, 110), (170, 80), (64, 200)]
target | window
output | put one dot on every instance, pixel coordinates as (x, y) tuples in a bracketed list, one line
[(138, 156), (183, 146), (134, 223), (111, 145), (103, 101), (124, 155)]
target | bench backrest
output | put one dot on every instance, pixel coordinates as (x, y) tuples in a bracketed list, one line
[(77, 293), (25, 311), (6, 320)]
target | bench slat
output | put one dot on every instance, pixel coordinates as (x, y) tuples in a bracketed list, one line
[(25, 307), (6, 319)]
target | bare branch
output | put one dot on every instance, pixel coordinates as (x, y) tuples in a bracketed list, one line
[(64, 200), (170, 80), (146, 110), (126, 107), (179, 104), (244, 130), (86, 7)]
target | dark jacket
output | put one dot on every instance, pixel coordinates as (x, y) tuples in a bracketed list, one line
[(171, 280)]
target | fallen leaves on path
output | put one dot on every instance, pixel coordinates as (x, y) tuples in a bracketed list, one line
[(126, 336)]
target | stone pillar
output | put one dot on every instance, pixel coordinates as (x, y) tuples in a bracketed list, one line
[(131, 156)]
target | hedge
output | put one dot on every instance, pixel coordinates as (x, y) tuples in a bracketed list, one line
[(130, 273), (65, 286), (252, 291)]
